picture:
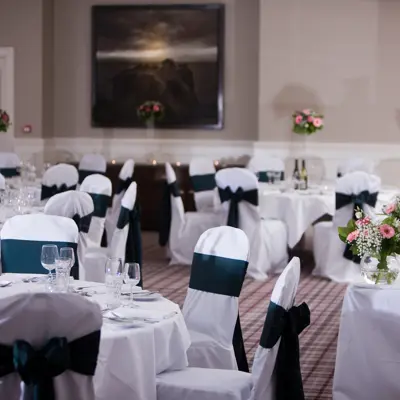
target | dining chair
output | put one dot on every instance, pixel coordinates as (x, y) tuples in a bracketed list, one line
[(59, 178), (91, 164)]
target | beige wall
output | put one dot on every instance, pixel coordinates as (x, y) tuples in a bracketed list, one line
[(21, 27), (72, 51), (340, 57)]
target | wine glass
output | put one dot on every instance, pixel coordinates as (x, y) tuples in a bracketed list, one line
[(68, 252), (48, 257), (114, 277), (132, 276)]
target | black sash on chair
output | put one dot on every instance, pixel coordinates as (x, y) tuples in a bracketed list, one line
[(9, 172), (220, 275), (84, 173), (133, 249), (358, 200), (101, 203), (263, 176), (171, 189), (202, 183), (286, 325), (37, 368), (123, 185), (83, 223), (235, 198), (49, 191)]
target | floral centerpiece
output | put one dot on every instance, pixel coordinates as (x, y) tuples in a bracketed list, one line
[(307, 122), (4, 121), (377, 241), (151, 111)]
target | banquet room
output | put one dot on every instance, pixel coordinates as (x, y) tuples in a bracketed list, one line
[(199, 199)]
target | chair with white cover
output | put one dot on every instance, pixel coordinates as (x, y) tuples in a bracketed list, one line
[(9, 164), (181, 230), (2, 182), (23, 236), (125, 178), (267, 168), (353, 165), (238, 189), (125, 243), (333, 258), (49, 346), (276, 370), (99, 188), (79, 207), (91, 164), (59, 178), (202, 176), (211, 306)]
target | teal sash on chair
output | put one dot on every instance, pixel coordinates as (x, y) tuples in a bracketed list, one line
[(9, 172), (84, 173), (23, 256), (101, 203), (225, 276), (202, 183)]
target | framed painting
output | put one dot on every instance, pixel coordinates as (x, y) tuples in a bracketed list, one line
[(169, 54)]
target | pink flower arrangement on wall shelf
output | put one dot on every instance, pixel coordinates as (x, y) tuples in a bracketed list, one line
[(307, 122)]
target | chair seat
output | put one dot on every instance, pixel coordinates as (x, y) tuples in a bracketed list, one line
[(204, 384), (206, 352)]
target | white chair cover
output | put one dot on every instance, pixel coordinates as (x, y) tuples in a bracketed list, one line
[(95, 259), (202, 174), (79, 207), (9, 164), (125, 178), (355, 164), (184, 228), (23, 236), (211, 306), (91, 164), (328, 248), (99, 188), (262, 166), (59, 178), (2, 182), (268, 238), (264, 366), (36, 318)]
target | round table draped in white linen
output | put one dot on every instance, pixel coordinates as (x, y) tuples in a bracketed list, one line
[(129, 357), (368, 354), (300, 209)]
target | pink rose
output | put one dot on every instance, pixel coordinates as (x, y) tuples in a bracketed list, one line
[(317, 122), (363, 221), (306, 111), (389, 208), (386, 231), (298, 119), (352, 236), (310, 119)]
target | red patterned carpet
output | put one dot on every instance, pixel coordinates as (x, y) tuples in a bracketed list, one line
[(317, 342)]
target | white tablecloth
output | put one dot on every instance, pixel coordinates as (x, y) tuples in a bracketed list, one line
[(300, 209), (129, 358), (368, 352)]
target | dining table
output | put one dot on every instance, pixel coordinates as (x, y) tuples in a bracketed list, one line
[(133, 350)]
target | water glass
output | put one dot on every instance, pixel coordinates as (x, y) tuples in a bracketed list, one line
[(68, 252), (132, 276), (62, 274), (49, 256), (114, 281)]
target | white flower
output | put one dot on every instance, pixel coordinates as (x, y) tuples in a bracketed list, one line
[(306, 125), (358, 214)]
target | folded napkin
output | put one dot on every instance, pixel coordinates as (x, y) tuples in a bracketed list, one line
[(141, 314)]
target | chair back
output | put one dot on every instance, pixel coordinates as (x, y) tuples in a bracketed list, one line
[(276, 364), (267, 168), (2, 182), (218, 270), (59, 178), (9, 164), (91, 164), (353, 165), (79, 207), (202, 175), (23, 236), (67, 325), (99, 188)]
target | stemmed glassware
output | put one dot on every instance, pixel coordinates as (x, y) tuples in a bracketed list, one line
[(49, 257), (132, 276), (68, 252)]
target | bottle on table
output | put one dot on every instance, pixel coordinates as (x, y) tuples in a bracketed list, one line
[(296, 175), (303, 176)]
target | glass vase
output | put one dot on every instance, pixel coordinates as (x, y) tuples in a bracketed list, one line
[(380, 276)]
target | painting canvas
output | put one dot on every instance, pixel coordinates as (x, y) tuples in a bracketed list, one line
[(172, 54)]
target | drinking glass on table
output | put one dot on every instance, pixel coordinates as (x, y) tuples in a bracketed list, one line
[(68, 252), (62, 274), (132, 276), (114, 279), (48, 257)]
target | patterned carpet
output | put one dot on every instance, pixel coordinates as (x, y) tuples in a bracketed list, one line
[(317, 342)]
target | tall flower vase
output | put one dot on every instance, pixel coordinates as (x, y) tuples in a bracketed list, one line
[(380, 272)]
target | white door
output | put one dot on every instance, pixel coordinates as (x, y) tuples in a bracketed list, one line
[(7, 95)]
